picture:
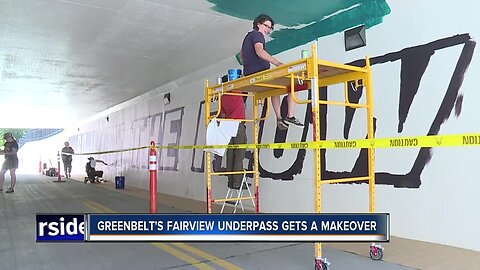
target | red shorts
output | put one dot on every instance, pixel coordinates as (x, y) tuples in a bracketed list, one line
[(299, 87)]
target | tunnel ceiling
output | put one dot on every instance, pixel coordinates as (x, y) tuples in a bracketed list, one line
[(64, 61)]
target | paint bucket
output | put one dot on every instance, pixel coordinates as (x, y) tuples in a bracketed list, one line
[(234, 74), (119, 182), (305, 54)]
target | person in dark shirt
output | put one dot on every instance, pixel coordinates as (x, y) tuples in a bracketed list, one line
[(233, 107), (67, 157), (255, 58), (11, 161), (92, 173)]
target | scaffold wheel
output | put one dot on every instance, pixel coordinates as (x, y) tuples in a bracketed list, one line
[(320, 265), (376, 252)]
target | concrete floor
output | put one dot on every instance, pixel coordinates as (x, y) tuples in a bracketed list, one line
[(39, 194)]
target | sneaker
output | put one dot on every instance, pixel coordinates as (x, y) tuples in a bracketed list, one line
[(282, 125), (292, 120), (10, 190), (1, 189)]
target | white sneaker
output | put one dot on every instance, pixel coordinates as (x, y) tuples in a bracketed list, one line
[(292, 120)]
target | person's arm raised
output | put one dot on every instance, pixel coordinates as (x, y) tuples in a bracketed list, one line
[(101, 161)]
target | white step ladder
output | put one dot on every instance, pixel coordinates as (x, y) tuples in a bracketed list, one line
[(239, 193)]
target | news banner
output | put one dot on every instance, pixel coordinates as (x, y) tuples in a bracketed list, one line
[(365, 227)]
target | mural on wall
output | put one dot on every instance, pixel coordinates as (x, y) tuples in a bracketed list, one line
[(318, 18), (306, 20), (411, 73), (414, 62), (171, 133), (165, 128)]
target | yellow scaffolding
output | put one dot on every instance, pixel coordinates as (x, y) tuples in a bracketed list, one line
[(274, 82)]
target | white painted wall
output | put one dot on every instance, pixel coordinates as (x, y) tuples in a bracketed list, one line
[(443, 210)]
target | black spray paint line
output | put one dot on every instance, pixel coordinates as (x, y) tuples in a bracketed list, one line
[(280, 136), (175, 127), (413, 178), (414, 61), (201, 169)]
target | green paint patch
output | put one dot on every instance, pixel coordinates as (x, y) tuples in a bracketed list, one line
[(306, 20)]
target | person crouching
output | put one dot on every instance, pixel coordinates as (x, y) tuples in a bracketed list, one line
[(92, 174)]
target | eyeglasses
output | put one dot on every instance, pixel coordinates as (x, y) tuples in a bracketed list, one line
[(268, 26)]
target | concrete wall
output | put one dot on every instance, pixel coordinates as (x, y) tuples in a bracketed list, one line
[(420, 54)]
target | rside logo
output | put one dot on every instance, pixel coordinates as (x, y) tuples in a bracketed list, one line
[(55, 227)]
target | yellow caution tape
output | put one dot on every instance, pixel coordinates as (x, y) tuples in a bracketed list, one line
[(400, 142), (112, 151)]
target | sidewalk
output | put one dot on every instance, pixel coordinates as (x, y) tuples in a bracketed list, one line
[(401, 251)]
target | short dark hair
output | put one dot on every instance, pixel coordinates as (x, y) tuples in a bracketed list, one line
[(7, 135), (261, 19)]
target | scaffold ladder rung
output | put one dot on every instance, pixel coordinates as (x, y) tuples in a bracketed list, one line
[(239, 194)]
